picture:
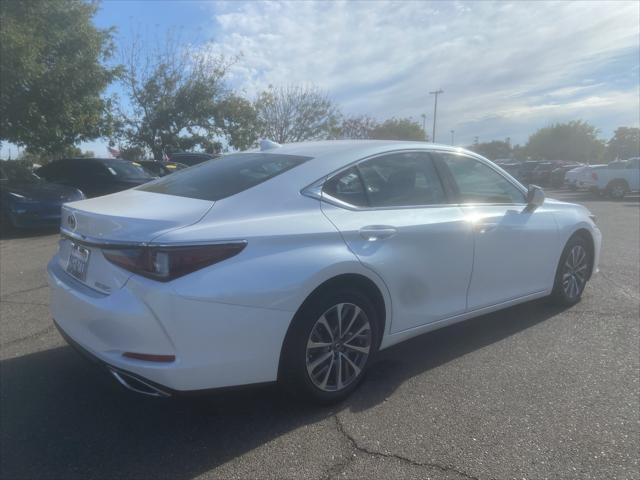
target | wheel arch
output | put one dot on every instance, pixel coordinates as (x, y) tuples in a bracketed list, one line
[(363, 283)]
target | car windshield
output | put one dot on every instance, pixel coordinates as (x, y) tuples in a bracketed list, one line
[(18, 173), (225, 176), (121, 168)]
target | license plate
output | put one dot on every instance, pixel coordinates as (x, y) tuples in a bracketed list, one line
[(78, 261)]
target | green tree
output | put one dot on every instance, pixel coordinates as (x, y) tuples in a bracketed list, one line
[(52, 73), (179, 101), (624, 144), (493, 150), (295, 113), (42, 158), (356, 127), (575, 141), (399, 129)]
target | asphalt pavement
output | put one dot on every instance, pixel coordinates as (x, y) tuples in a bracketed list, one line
[(531, 392)]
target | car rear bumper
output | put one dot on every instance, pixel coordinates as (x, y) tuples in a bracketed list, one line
[(215, 345)]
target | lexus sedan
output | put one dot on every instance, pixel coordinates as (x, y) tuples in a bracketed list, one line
[(297, 263)]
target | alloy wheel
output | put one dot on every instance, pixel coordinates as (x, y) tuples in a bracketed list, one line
[(618, 191), (574, 274), (338, 347)]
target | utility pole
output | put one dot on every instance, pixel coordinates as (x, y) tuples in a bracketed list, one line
[(424, 124), (435, 111), (453, 132)]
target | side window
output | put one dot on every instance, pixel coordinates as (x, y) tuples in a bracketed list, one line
[(55, 171), (346, 187), (475, 182), (402, 180)]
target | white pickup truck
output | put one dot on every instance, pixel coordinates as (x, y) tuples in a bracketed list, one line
[(618, 178)]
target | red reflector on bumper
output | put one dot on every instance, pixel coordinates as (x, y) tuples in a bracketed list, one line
[(149, 357)]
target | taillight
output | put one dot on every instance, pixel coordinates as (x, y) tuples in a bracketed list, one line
[(167, 263), (594, 175)]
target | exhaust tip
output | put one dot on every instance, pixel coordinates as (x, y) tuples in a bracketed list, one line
[(137, 385)]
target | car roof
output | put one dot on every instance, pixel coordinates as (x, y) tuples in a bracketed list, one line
[(330, 155), (330, 147), (327, 157)]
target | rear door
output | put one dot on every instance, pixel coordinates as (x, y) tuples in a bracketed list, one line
[(393, 214), (516, 248)]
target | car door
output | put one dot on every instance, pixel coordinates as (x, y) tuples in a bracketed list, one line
[(393, 214), (633, 174), (516, 248)]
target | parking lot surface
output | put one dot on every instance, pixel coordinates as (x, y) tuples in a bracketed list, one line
[(529, 392)]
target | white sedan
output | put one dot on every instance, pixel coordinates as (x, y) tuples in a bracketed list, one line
[(297, 263)]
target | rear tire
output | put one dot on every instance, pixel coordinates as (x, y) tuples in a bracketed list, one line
[(617, 189), (573, 271), (323, 359)]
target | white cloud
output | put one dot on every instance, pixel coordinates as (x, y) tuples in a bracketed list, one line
[(506, 68)]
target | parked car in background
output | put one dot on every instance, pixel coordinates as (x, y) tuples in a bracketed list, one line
[(558, 174), (618, 178), (95, 176), (512, 168), (541, 174), (572, 176), (525, 172), (190, 159), (30, 202), (188, 282), (588, 177), (159, 169)]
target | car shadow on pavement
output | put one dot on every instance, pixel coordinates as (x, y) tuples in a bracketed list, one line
[(63, 418)]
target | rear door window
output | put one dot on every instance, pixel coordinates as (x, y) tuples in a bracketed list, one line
[(224, 177)]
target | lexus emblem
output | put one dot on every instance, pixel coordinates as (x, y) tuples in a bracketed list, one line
[(71, 221)]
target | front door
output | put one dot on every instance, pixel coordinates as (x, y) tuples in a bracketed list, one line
[(516, 248)]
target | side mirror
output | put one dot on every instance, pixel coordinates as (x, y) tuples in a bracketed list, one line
[(535, 197)]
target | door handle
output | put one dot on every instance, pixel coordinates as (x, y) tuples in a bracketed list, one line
[(373, 233)]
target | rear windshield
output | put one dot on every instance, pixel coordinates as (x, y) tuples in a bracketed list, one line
[(225, 176)]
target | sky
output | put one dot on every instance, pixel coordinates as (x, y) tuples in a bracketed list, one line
[(506, 69)]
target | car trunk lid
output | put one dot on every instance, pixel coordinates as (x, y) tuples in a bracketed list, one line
[(131, 217)]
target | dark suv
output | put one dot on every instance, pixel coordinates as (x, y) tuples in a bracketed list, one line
[(95, 176)]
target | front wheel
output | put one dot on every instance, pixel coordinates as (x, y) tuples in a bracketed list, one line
[(329, 346), (573, 271)]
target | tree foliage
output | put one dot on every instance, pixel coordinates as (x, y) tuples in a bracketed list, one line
[(295, 113), (575, 141), (52, 73), (365, 127), (179, 101), (493, 150), (624, 144), (399, 129), (356, 127)]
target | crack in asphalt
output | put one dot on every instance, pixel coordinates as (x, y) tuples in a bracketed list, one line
[(31, 336), (622, 288), (354, 444), (15, 302), (26, 290)]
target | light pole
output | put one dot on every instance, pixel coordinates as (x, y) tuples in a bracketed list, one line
[(453, 132), (435, 111), (424, 125)]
